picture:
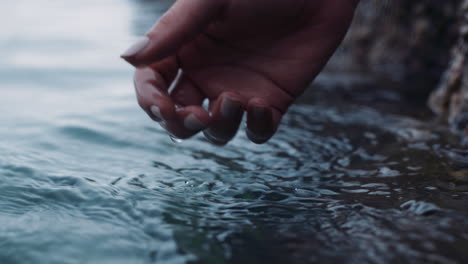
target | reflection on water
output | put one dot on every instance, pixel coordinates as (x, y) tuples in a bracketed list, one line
[(85, 177)]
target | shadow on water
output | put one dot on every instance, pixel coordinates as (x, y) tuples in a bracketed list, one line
[(345, 180)]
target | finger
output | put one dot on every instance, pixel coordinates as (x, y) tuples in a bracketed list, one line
[(262, 121), (180, 24), (190, 121), (168, 68), (192, 118), (181, 122), (152, 96), (227, 111), (186, 93)]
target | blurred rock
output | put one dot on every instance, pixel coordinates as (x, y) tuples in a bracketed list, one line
[(450, 99), (414, 47), (406, 42)]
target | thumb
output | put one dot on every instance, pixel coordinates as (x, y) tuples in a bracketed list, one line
[(180, 24)]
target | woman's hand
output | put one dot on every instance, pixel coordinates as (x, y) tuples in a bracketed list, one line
[(256, 56)]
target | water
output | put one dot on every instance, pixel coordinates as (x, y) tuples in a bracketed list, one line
[(86, 177)]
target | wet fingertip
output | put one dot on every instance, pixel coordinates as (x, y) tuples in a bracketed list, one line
[(231, 108), (200, 113), (214, 139), (191, 122), (163, 124), (257, 139), (260, 119), (260, 123), (227, 111), (261, 112), (156, 111)]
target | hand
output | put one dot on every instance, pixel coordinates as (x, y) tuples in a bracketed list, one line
[(256, 56)]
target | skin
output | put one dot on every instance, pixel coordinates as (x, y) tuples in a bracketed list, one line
[(253, 56)]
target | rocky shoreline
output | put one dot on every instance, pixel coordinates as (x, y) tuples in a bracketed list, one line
[(450, 99), (418, 47)]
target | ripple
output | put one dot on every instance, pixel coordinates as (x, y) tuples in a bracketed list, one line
[(336, 184), (420, 207), (89, 135)]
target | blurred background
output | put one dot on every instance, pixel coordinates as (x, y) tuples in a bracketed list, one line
[(418, 48)]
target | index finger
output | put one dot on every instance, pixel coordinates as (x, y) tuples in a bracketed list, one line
[(180, 24)]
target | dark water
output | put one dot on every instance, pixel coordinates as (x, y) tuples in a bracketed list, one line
[(86, 177)]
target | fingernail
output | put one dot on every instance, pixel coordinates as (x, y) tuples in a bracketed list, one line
[(230, 108), (136, 48), (260, 112), (191, 122), (260, 124), (255, 138), (156, 112), (214, 139)]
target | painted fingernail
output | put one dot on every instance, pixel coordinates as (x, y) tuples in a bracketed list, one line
[(260, 124), (156, 112), (258, 139), (260, 112), (209, 135), (191, 122), (230, 108), (136, 48)]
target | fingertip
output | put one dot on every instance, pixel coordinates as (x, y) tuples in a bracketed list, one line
[(262, 121), (193, 123), (213, 139), (151, 95), (228, 105), (127, 59), (194, 118), (132, 53), (149, 83), (227, 112), (144, 75), (188, 122), (164, 109), (151, 106), (159, 109)]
